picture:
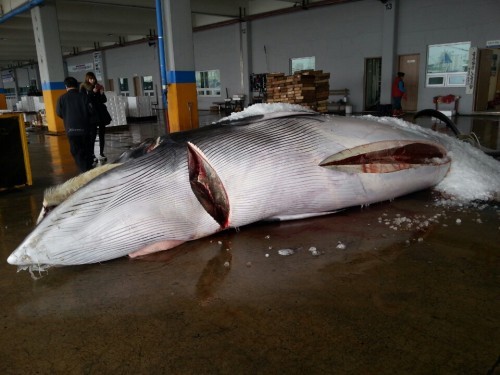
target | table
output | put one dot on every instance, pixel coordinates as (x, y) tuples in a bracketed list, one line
[(230, 105)]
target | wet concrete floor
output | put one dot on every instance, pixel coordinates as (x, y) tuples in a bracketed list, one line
[(400, 287)]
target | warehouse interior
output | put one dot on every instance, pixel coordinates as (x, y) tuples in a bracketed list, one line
[(408, 285)]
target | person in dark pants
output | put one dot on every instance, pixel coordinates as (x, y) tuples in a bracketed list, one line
[(398, 93), (96, 96), (73, 108)]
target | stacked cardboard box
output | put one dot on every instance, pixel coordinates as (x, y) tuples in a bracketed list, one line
[(309, 88), (11, 104), (30, 104), (117, 108), (27, 104)]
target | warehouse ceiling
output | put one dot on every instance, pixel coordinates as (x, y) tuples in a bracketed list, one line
[(86, 25)]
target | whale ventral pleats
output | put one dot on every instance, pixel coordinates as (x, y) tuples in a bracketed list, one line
[(207, 186)]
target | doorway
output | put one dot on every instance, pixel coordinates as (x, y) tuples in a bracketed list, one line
[(487, 90), (410, 65), (373, 74), (137, 86)]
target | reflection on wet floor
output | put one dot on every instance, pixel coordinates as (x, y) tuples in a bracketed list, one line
[(485, 128), (405, 286), (487, 132)]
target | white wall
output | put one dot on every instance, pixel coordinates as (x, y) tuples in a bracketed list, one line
[(341, 37), (424, 22), (125, 62), (338, 46), (23, 75), (219, 48)]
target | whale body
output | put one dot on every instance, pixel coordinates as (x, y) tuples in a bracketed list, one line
[(276, 166)]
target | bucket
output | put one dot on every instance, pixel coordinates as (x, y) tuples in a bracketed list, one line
[(348, 109)]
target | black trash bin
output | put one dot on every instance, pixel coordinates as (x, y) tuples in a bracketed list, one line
[(14, 156)]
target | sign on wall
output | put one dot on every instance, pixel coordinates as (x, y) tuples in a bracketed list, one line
[(98, 65), (80, 68), (7, 77), (302, 63), (447, 64), (471, 71), (493, 43)]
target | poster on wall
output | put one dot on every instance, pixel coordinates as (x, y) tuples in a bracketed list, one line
[(80, 68), (471, 71), (493, 43), (447, 64), (98, 65), (302, 63), (7, 77)]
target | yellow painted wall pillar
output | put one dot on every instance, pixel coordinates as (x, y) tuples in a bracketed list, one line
[(181, 79), (50, 96), (50, 61), (3, 97), (3, 101), (182, 102)]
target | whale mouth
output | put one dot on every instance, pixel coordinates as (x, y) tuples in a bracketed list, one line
[(387, 157)]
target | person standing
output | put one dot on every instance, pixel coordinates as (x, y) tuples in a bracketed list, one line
[(398, 93), (97, 98), (73, 108)]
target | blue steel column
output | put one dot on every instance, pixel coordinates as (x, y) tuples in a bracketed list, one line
[(182, 95), (20, 9), (163, 67), (50, 62)]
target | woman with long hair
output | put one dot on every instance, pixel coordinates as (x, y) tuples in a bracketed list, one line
[(97, 98)]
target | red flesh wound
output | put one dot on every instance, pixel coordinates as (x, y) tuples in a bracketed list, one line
[(207, 186)]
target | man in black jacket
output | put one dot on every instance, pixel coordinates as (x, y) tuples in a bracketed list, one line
[(73, 108)]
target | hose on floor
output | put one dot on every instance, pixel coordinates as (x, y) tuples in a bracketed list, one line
[(468, 138)]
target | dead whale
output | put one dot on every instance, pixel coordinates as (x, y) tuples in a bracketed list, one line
[(285, 165)]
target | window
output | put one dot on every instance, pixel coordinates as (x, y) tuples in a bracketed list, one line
[(147, 86), (123, 86), (23, 90), (302, 63), (435, 80), (208, 83), (10, 92), (456, 79), (147, 83), (447, 64)]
